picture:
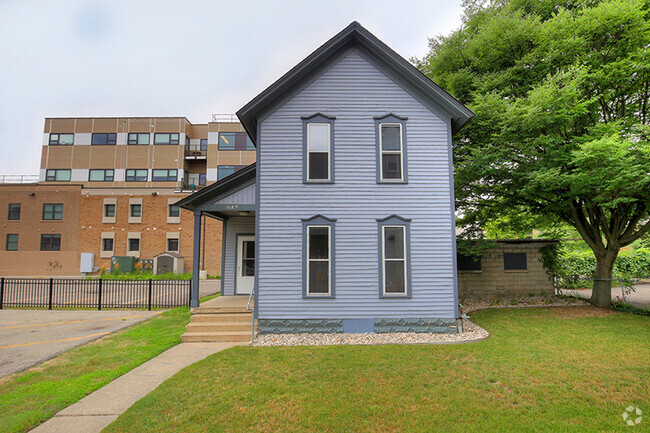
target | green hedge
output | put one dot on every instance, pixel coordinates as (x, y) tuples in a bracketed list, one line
[(634, 264)]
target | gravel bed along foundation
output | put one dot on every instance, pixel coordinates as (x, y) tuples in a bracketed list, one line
[(471, 332)]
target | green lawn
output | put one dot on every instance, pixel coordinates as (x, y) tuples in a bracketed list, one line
[(552, 369), (35, 395)]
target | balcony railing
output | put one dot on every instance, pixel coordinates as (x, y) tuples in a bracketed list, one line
[(196, 150), (225, 118), (194, 181), (19, 178)]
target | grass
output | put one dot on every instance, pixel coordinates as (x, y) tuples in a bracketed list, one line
[(35, 395), (551, 369)]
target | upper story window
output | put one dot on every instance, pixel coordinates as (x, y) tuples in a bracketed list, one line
[(225, 171), (135, 210), (391, 149), (138, 138), (174, 211), (102, 139), (61, 139), (318, 261), (109, 210), (51, 242), (14, 211), (318, 133), (136, 175), (57, 175), (235, 141), (172, 244), (52, 211), (166, 138), (101, 175), (394, 255), (164, 175), (204, 144)]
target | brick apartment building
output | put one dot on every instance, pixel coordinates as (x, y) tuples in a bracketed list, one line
[(106, 186)]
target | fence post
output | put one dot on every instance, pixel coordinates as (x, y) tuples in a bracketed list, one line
[(49, 304), (150, 284), (2, 291), (190, 294), (99, 298)]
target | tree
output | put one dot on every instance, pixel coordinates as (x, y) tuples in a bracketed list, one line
[(560, 92)]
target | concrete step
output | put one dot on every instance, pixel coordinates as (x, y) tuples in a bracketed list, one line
[(222, 317), (218, 326), (237, 336)]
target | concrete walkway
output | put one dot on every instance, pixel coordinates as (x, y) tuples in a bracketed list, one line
[(97, 410)]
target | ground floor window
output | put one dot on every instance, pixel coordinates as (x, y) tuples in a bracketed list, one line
[(51, 242), (394, 256), (318, 257)]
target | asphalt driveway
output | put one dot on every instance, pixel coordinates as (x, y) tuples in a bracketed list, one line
[(28, 337)]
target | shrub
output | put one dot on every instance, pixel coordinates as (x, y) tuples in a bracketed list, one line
[(634, 264)]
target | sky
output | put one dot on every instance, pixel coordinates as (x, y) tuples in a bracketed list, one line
[(93, 58)]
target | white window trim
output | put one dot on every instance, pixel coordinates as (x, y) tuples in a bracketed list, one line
[(328, 260), (391, 152), (384, 260), (329, 152)]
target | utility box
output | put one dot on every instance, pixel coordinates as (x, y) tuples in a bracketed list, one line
[(123, 264), (87, 263), (168, 262)]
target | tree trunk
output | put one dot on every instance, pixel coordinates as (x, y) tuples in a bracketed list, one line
[(602, 293)]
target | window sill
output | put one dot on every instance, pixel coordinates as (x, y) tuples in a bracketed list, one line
[(317, 182), (397, 296), (470, 272), (516, 271), (318, 297), (392, 182)]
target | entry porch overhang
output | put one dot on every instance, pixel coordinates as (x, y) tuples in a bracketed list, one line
[(233, 196)]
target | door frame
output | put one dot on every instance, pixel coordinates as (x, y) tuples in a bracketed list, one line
[(237, 258)]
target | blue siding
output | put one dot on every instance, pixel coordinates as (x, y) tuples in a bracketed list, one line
[(245, 195), (354, 91), (235, 226)]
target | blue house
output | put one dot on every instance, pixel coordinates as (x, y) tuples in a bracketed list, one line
[(346, 220)]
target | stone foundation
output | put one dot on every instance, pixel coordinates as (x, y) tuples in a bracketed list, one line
[(336, 326)]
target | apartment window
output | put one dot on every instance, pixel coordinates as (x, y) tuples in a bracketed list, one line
[(225, 171), (136, 211), (391, 149), (101, 175), (61, 139), (12, 242), (249, 143), (14, 211), (318, 258), (53, 211), (134, 244), (204, 144), (50, 242), (109, 210), (468, 263), (174, 211), (394, 256), (104, 139), (514, 262), (318, 148), (170, 175), (57, 175), (172, 244), (136, 138), (226, 141), (108, 244), (165, 138), (137, 175)]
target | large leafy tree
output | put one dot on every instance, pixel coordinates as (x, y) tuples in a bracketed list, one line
[(560, 90)]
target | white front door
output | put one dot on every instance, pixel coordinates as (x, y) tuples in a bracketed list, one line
[(245, 264)]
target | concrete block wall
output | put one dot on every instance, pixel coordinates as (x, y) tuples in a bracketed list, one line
[(493, 280)]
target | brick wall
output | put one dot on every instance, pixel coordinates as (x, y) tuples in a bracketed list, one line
[(493, 280), (29, 260), (152, 230)]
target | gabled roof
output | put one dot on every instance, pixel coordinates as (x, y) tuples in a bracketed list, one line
[(354, 35), (226, 184)]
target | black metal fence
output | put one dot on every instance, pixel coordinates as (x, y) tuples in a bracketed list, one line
[(93, 293)]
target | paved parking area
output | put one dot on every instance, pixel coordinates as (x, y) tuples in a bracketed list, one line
[(28, 337), (639, 297)]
